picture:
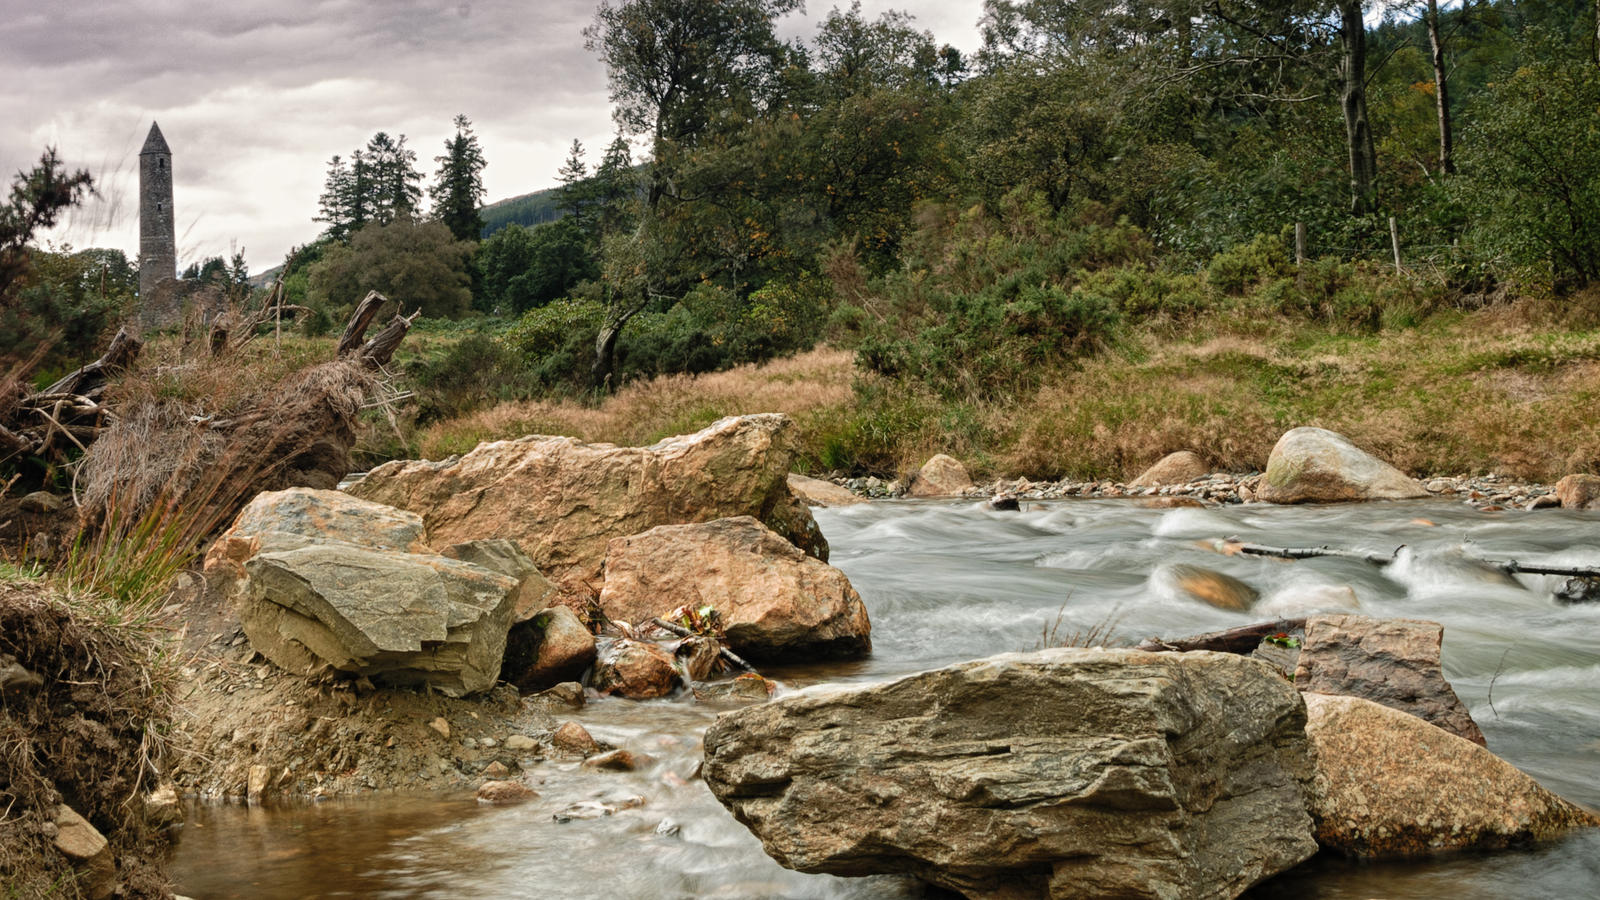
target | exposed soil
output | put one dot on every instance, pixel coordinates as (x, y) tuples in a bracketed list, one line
[(82, 733)]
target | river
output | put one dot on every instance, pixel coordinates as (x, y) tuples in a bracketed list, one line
[(948, 581)]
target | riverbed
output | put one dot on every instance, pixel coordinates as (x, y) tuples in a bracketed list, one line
[(951, 581)]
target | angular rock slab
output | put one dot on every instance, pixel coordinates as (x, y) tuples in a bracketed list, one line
[(1579, 491), (775, 601), (400, 618), (1391, 786), (1062, 773), (816, 492), (1394, 662), (562, 499), (1314, 465)]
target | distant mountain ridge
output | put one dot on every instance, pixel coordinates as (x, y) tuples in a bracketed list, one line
[(526, 210)]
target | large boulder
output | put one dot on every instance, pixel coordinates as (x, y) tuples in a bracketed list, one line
[(941, 476), (1579, 492), (1390, 785), (1062, 773), (1314, 465), (1181, 467), (562, 499), (549, 648), (638, 670), (775, 602), (323, 580), (1394, 662)]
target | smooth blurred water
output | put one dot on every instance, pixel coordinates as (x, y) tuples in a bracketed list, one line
[(946, 582)]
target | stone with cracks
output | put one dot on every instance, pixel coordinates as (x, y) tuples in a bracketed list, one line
[(1062, 773), (1181, 467), (637, 670), (1390, 785), (562, 499), (325, 580), (941, 476), (775, 602), (1314, 465), (1394, 662)]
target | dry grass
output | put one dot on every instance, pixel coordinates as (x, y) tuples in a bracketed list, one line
[(804, 386)]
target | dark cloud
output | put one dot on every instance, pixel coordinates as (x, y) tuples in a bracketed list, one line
[(254, 96)]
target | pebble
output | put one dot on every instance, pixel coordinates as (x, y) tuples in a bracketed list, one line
[(441, 726)]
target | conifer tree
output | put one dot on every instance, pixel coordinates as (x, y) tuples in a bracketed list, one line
[(457, 190)]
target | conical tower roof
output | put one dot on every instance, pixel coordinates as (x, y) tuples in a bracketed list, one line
[(155, 143)]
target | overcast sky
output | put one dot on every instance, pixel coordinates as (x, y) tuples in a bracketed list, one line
[(254, 96)]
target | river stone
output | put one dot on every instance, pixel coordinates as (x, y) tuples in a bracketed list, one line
[(562, 499), (1061, 773), (775, 601), (1181, 467), (637, 670), (89, 852), (816, 492), (1394, 662), (1391, 786), (1579, 492), (1211, 587), (941, 476), (550, 648), (1314, 465)]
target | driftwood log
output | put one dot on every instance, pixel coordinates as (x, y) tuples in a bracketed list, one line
[(68, 415), (722, 651), (1509, 566), (1241, 640)]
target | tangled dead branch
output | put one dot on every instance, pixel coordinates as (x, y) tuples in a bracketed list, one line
[(69, 414)]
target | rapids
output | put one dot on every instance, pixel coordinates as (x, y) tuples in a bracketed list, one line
[(950, 581)]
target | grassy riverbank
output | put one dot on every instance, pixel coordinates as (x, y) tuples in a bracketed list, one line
[(1507, 389)]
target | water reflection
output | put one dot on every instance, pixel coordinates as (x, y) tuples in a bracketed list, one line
[(946, 582)]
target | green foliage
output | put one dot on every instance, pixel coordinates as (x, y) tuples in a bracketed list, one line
[(63, 309), (475, 371), (712, 328), (522, 268), (457, 190), (36, 201), (557, 340), (380, 184), (526, 210), (1248, 265), (419, 265), (1534, 164)]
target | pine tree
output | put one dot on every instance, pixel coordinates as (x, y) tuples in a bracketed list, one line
[(396, 184), (577, 193), (457, 190)]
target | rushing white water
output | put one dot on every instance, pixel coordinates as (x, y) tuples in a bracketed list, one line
[(945, 582)]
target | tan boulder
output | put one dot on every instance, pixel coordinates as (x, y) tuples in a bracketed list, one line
[(89, 852), (534, 592), (573, 738), (774, 601), (1181, 467), (941, 476), (816, 492), (562, 499), (1314, 465), (502, 793), (636, 670), (1579, 492), (1394, 662), (548, 649), (1390, 786)]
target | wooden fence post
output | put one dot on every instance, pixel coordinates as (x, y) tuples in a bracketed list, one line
[(1394, 238)]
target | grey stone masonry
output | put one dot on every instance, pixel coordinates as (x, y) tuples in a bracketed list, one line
[(158, 252)]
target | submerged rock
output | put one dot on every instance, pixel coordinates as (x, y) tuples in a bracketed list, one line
[(562, 500), (1314, 465), (1063, 773), (503, 793), (774, 601), (1394, 662), (1390, 785), (941, 476), (1181, 467), (1211, 587)]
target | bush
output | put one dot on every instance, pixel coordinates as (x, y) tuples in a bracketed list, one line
[(556, 341), (1246, 265)]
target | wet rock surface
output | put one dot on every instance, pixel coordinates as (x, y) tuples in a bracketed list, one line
[(1064, 773), (1394, 662)]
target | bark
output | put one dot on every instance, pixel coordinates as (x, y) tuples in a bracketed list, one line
[(366, 311), (1353, 102), (603, 370), (1509, 566), (1441, 94)]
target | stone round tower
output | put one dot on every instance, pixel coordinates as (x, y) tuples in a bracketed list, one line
[(158, 245)]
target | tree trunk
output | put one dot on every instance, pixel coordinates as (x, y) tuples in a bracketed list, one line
[(1441, 94), (1353, 101), (605, 343)]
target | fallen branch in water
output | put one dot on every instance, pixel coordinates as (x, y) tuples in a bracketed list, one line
[(722, 651), (1234, 640), (1509, 566)]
